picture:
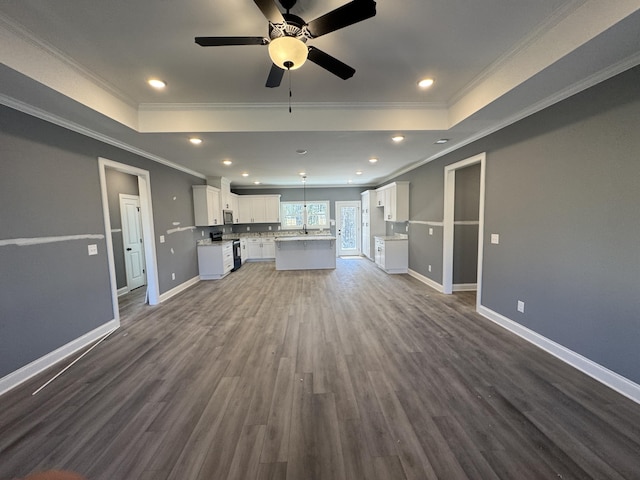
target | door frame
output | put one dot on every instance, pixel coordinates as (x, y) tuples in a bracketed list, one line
[(448, 222), (125, 232), (148, 235), (358, 203)]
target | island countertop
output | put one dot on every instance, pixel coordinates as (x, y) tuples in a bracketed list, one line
[(305, 238)]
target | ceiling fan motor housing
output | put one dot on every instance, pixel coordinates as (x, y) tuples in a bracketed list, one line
[(294, 26)]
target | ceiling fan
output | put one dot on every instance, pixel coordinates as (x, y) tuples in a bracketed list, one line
[(288, 35)]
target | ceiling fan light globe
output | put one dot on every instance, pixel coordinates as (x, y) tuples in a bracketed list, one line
[(288, 53)]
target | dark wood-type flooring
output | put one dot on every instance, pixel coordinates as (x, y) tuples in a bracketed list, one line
[(344, 374)]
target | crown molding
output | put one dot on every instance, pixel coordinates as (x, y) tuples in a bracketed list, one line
[(69, 125), (571, 90)]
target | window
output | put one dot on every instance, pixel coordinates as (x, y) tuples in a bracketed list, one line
[(293, 215)]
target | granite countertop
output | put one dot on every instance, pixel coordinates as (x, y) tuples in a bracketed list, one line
[(388, 238), (208, 243), (304, 238), (276, 234)]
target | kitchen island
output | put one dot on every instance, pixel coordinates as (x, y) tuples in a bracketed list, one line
[(305, 252)]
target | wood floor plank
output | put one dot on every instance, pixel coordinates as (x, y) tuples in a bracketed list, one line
[(415, 463), (341, 374), (276, 444)]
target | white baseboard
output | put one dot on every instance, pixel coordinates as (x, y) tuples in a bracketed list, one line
[(617, 382), (23, 374), (465, 287), (123, 291), (180, 288), (426, 280)]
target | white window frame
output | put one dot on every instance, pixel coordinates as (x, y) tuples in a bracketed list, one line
[(326, 226)]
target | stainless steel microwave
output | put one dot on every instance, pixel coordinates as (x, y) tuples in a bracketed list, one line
[(227, 217)]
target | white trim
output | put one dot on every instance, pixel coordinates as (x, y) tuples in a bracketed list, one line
[(146, 212), (180, 288), (23, 374), (613, 380), (423, 222), (426, 280), (116, 230), (449, 223), (123, 291), (465, 287)]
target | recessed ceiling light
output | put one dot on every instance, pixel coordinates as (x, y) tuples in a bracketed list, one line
[(426, 82), (256, 182), (441, 141), (195, 141), (302, 174), (397, 138), (349, 181), (245, 174), (301, 151), (155, 83), (227, 162), (358, 172), (373, 160)]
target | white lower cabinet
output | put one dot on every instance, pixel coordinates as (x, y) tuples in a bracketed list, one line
[(259, 248), (392, 254), (215, 261), (244, 254)]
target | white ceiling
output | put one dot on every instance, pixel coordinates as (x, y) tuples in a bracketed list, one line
[(85, 65)]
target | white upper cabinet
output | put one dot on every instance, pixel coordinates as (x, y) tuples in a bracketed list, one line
[(394, 199), (258, 209), (206, 206)]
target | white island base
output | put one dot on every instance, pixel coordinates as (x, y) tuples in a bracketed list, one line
[(313, 252)]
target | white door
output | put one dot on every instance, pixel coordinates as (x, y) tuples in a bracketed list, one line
[(132, 241), (348, 228)]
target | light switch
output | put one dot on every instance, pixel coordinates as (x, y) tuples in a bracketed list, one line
[(520, 306), (495, 238), (161, 238), (93, 249)]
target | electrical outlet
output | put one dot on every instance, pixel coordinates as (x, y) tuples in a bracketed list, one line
[(161, 238), (269, 227), (173, 276), (92, 249), (248, 228), (172, 251), (202, 232), (495, 238), (429, 267), (430, 231), (520, 306)]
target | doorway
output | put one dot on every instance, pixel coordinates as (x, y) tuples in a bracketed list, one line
[(348, 228), (147, 230), (132, 241), (449, 218)]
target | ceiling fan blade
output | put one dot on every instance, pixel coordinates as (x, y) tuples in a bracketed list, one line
[(270, 10), (330, 63), (224, 41), (275, 76), (341, 17)]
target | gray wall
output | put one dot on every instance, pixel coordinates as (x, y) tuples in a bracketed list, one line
[(51, 294), (117, 183), (562, 192)]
